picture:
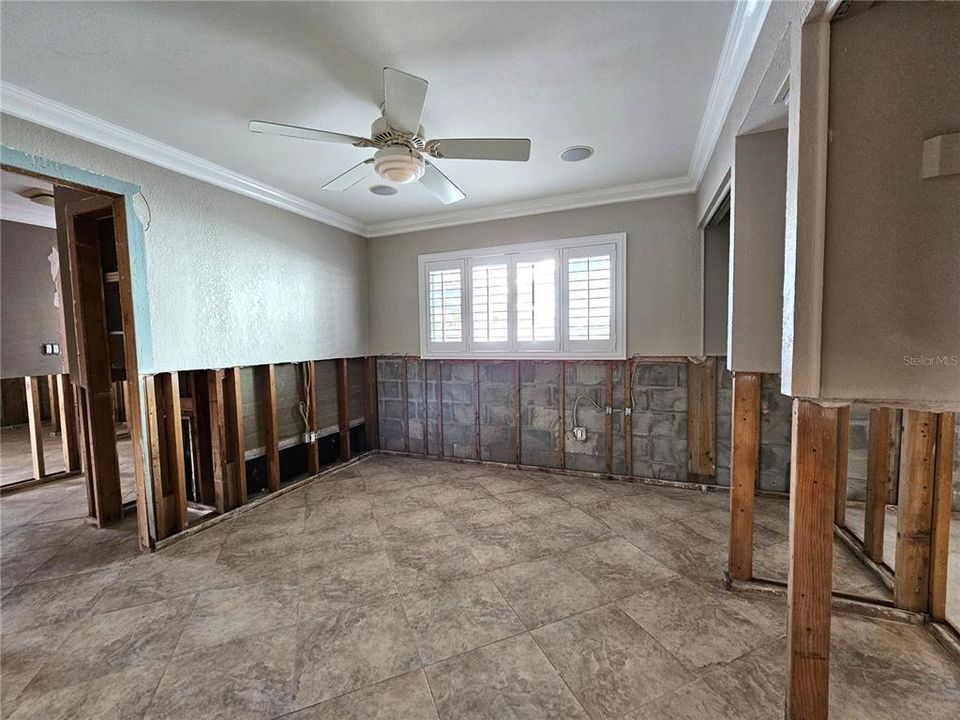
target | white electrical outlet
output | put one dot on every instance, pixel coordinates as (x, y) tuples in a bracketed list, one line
[(579, 434)]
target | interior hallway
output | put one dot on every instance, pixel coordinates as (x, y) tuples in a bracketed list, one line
[(403, 588)]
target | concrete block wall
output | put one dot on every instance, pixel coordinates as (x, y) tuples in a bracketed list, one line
[(659, 421)]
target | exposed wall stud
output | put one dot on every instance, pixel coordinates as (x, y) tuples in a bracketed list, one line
[(32, 385), (518, 430), (222, 491), (915, 510), (562, 401), (813, 474), (628, 417), (476, 407), (371, 413), (879, 467), (68, 424), (236, 464), (54, 404), (165, 439), (609, 417), (443, 450), (406, 405), (268, 384), (744, 461), (343, 412), (940, 534), (426, 415), (313, 454), (843, 447), (702, 417)]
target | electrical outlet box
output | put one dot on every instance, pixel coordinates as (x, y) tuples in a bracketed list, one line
[(309, 437), (50, 349), (579, 434)]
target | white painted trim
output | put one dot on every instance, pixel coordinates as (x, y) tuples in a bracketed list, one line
[(27, 105), (742, 33), (557, 203), (28, 215)]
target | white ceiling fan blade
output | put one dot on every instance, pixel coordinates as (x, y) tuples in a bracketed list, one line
[(270, 128), (440, 185), (403, 99), (515, 149), (351, 177)]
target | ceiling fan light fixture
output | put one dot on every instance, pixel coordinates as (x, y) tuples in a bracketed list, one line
[(398, 164), (576, 153)]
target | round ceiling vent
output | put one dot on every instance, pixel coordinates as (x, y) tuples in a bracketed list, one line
[(383, 190), (576, 153)]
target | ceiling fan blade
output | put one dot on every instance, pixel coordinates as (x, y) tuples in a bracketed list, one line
[(270, 128), (403, 99), (440, 185), (480, 149), (356, 174)]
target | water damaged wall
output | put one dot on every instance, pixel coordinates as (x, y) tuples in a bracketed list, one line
[(482, 401)]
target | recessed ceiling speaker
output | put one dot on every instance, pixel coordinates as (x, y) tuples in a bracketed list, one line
[(576, 153), (383, 190)]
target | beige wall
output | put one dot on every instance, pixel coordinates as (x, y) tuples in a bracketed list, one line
[(230, 281), (891, 285), (28, 316), (663, 270), (716, 273), (758, 211)]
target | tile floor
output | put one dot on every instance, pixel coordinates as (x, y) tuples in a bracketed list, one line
[(404, 589)]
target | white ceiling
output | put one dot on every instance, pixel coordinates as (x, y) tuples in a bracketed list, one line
[(16, 208), (632, 79)]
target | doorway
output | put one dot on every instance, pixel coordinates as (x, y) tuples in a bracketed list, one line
[(97, 346)]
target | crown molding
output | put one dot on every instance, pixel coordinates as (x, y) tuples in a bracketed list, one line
[(28, 215), (41, 110), (538, 206), (742, 33)]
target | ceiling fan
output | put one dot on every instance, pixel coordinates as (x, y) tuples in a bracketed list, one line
[(401, 142)]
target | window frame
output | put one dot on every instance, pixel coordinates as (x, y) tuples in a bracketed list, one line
[(563, 348)]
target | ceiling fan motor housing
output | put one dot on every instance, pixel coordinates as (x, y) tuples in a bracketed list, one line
[(399, 164)]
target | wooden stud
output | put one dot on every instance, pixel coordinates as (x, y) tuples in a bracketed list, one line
[(80, 396), (562, 400), (744, 462), (406, 405), (172, 417), (343, 413), (609, 417), (628, 417), (940, 533), (813, 474), (517, 429), (843, 448), (36, 427), (426, 416), (879, 467), (104, 469), (440, 400), (313, 453), (236, 465), (702, 417), (165, 440), (915, 510), (268, 382), (371, 413), (54, 404), (222, 489), (68, 424), (476, 409)]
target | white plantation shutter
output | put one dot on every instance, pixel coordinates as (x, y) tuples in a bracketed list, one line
[(536, 301), (445, 306), (550, 299), (590, 293), (490, 303)]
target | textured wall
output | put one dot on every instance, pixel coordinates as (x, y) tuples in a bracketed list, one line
[(663, 270), (28, 317), (716, 279), (659, 429), (231, 281)]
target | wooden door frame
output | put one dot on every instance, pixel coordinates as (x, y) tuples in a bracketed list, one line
[(131, 260)]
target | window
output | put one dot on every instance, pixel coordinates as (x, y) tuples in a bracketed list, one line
[(552, 299), (445, 306)]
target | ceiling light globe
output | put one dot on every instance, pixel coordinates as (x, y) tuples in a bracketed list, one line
[(399, 164)]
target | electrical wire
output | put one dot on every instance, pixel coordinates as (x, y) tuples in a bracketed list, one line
[(302, 406), (576, 406)]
